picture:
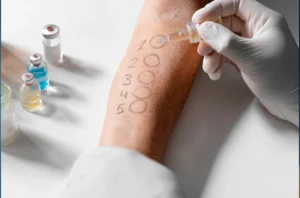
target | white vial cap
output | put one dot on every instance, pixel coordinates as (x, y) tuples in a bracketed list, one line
[(28, 78), (50, 31), (35, 59)]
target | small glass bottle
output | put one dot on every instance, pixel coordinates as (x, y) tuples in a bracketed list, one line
[(39, 69), (189, 33), (30, 93), (8, 126), (51, 43)]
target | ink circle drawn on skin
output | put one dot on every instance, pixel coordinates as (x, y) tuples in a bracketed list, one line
[(146, 77), (151, 60), (142, 92), (138, 106), (155, 42)]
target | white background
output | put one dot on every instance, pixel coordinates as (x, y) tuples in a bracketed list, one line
[(225, 144)]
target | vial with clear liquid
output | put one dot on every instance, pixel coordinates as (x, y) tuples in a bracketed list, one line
[(30, 93), (39, 69), (52, 44)]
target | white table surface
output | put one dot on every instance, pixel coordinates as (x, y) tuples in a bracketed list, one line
[(225, 144)]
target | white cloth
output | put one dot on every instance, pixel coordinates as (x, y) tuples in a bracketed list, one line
[(108, 172)]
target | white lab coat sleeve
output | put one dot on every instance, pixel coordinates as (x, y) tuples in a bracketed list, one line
[(108, 172)]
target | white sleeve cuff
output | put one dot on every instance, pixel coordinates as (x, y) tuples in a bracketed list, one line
[(116, 172)]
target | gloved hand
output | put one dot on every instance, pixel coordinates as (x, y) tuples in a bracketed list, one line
[(258, 42)]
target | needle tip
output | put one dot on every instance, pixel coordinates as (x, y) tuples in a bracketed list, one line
[(163, 40)]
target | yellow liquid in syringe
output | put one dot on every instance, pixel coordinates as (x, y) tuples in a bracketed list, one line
[(31, 100)]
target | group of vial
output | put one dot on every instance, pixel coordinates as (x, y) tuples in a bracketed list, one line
[(36, 79)]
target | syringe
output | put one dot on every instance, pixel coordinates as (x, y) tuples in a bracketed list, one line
[(189, 33)]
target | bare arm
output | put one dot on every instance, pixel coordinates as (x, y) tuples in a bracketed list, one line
[(153, 80)]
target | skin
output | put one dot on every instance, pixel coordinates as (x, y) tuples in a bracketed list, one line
[(153, 80)]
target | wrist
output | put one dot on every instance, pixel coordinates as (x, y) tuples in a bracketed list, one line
[(146, 142)]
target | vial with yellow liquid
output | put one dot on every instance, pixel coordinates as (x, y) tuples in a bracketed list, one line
[(189, 33), (30, 93)]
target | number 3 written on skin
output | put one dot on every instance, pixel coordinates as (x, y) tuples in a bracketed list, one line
[(127, 79)]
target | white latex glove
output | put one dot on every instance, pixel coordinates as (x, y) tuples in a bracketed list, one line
[(258, 42)]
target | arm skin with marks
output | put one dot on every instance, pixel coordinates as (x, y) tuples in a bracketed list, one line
[(153, 80)]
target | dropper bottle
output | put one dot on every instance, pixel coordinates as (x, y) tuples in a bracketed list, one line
[(189, 33)]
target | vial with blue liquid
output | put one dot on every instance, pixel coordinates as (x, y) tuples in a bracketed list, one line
[(39, 69)]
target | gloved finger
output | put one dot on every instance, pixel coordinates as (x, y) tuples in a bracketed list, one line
[(226, 60), (204, 49), (234, 24), (224, 41), (217, 74), (211, 62), (225, 8)]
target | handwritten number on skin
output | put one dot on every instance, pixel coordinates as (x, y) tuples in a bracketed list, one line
[(124, 93), (142, 44), (132, 63), (120, 109), (127, 79)]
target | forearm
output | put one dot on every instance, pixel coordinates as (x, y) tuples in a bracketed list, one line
[(153, 80)]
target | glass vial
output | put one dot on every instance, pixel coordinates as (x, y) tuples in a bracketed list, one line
[(39, 69), (30, 93), (8, 126), (51, 43)]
